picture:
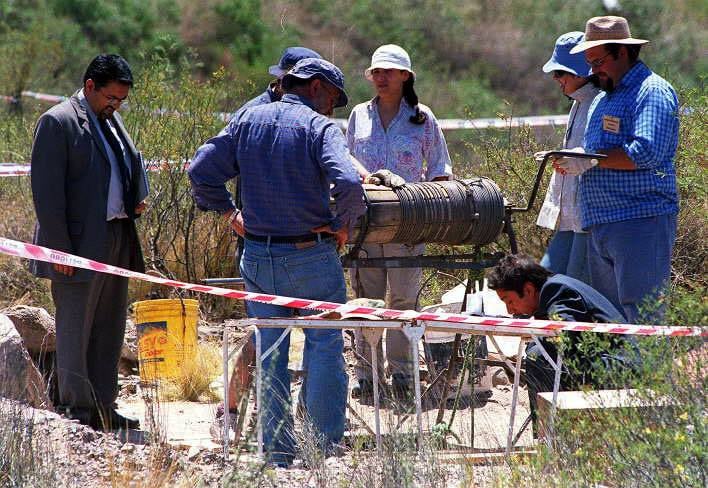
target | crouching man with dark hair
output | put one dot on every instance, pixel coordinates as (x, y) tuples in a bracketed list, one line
[(529, 289)]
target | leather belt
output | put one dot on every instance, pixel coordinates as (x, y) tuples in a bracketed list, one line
[(312, 237)]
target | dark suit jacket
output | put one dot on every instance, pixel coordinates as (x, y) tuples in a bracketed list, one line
[(70, 178), (565, 298), (570, 299)]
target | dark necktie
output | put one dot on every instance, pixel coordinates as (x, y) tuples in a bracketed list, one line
[(120, 159)]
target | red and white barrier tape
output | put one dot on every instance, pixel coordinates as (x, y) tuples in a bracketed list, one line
[(13, 169), (31, 251), (445, 124)]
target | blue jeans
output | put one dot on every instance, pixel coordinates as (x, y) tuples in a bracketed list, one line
[(630, 263), (567, 254), (314, 273)]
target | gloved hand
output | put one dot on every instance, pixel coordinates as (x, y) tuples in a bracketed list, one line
[(574, 167), (385, 178), (540, 155)]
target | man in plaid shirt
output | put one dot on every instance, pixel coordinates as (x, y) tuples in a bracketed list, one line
[(629, 200)]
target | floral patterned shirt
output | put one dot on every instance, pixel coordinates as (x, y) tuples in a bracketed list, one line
[(414, 152)]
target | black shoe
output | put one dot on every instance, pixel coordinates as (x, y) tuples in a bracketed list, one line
[(365, 389), (110, 419), (83, 415)]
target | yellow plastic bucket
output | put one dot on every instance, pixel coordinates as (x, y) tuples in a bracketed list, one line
[(167, 336)]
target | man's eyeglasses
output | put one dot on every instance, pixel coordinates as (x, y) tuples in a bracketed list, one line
[(113, 100), (598, 62)]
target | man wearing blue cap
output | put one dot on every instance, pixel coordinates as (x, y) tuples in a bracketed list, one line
[(274, 92), (567, 250), (287, 154), (245, 358)]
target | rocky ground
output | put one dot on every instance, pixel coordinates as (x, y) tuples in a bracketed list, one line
[(177, 449), (80, 456)]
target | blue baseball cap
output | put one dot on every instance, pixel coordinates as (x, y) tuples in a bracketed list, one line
[(561, 59), (317, 67), (289, 58)]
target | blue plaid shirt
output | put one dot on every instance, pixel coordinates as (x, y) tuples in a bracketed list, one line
[(646, 106), (287, 155)]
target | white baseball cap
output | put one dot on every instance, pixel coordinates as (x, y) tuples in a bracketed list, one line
[(389, 56)]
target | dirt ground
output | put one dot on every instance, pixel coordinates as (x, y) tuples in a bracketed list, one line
[(187, 425)]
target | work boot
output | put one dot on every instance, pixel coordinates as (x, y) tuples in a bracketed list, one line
[(83, 415)]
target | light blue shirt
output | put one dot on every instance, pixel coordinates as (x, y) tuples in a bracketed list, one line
[(640, 117), (416, 152), (115, 208)]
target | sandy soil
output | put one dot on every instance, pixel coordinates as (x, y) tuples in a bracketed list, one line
[(187, 428)]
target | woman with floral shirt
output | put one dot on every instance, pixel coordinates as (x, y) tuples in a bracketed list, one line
[(393, 131)]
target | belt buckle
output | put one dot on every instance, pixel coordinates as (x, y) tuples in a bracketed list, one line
[(305, 245)]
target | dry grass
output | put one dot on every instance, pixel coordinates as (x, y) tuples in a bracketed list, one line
[(193, 383)]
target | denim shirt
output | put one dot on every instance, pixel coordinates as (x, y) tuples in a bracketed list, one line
[(561, 207), (287, 155), (403, 148), (640, 117)]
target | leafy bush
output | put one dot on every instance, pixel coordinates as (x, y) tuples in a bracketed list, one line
[(661, 443)]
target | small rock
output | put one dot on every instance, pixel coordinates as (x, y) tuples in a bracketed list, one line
[(127, 448), (19, 378), (499, 377), (193, 453), (88, 435), (35, 326)]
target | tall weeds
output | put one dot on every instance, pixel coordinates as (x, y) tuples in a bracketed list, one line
[(27, 457)]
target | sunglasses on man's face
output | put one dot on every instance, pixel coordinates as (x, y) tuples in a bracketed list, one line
[(559, 73)]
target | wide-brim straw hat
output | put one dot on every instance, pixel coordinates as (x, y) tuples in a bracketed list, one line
[(606, 30)]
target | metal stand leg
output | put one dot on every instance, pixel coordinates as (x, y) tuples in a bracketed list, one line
[(501, 354), (259, 380), (414, 334), (259, 389), (225, 358), (554, 404), (558, 367), (372, 337), (515, 395)]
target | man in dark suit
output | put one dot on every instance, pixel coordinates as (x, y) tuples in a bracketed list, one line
[(88, 187), (529, 289)]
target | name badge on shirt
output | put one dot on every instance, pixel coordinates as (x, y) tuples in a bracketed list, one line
[(611, 124)]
